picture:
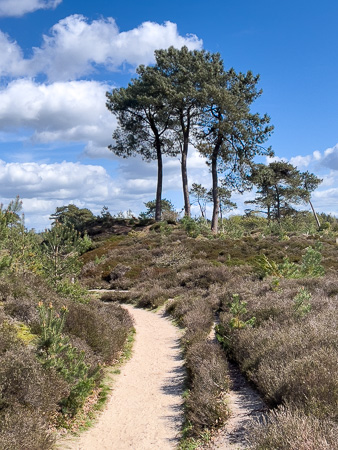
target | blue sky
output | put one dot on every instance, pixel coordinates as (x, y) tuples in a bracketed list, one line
[(59, 57)]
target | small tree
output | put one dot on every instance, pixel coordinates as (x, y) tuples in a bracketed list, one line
[(61, 247), (280, 186), (167, 209), (19, 248), (202, 197), (310, 182), (72, 215)]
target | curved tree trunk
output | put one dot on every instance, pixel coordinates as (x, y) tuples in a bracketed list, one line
[(314, 213), (158, 210)]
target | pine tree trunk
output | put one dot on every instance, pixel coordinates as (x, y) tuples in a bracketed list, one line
[(315, 214), (185, 178), (158, 210), (215, 196)]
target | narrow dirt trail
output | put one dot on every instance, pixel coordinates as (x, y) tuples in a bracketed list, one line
[(145, 409), (245, 405)]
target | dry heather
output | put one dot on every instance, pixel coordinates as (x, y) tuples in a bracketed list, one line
[(283, 339), (33, 392)]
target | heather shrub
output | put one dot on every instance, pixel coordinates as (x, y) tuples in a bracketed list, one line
[(24, 381), (24, 428), (197, 321), (103, 327), (208, 380), (290, 429), (23, 309), (201, 274), (290, 352), (151, 296), (8, 337)]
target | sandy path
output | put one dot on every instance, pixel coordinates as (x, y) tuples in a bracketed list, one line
[(145, 408), (245, 406)]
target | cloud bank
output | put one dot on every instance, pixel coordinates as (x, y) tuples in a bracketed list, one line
[(75, 48)]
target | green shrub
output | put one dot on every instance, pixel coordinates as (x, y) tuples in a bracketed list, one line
[(310, 266), (56, 351), (302, 305), (72, 291)]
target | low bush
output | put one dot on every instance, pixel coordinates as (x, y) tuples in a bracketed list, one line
[(208, 381), (24, 428), (24, 381), (104, 327), (290, 356), (288, 428)]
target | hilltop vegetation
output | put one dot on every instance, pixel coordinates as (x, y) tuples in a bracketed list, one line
[(273, 290), (54, 339), (275, 296)]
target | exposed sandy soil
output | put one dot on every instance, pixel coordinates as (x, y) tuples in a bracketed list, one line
[(245, 406), (145, 409)]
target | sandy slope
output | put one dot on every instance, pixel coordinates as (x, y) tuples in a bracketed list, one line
[(145, 409)]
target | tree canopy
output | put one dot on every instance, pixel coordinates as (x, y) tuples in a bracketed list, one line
[(280, 186), (189, 98)]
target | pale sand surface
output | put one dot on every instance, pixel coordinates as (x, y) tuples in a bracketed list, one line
[(145, 409), (245, 406)]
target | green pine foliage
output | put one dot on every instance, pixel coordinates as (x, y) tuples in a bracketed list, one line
[(310, 265), (56, 351)]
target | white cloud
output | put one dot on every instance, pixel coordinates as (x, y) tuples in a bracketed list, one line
[(330, 158), (75, 47), (64, 181), (12, 62), (16, 8), (301, 161), (73, 111)]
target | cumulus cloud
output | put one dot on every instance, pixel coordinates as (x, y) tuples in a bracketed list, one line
[(16, 8), (75, 47), (12, 62), (61, 111), (64, 181), (330, 158)]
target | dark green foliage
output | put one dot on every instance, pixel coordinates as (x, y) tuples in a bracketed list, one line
[(280, 187), (167, 210), (71, 215)]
